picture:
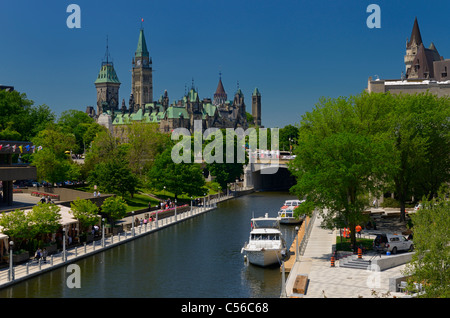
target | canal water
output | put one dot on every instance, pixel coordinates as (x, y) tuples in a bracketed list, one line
[(198, 258)]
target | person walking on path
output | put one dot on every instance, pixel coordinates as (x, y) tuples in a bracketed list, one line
[(37, 255), (44, 255)]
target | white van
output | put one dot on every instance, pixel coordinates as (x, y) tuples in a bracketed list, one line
[(392, 243)]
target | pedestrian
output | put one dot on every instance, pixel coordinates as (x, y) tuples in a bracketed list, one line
[(37, 255), (44, 255), (95, 194), (149, 205)]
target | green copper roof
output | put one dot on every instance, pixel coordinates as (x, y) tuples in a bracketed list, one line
[(107, 74), (176, 112), (256, 92), (142, 46)]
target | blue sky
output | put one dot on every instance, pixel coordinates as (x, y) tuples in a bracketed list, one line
[(294, 51)]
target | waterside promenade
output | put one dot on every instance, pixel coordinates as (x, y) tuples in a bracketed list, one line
[(325, 281), (33, 268)]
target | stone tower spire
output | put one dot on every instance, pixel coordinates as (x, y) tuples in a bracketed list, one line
[(142, 78), (256, 107), (412, 45), (107, 85), (220, 96)]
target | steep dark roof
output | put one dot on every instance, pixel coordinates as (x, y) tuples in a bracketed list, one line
[(415, 35), (424, 59), (220, 91)]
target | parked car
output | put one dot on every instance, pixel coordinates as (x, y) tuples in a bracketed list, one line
[(392, 243)]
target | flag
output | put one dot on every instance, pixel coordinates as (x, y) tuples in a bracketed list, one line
[(21, 150), (142, 19)]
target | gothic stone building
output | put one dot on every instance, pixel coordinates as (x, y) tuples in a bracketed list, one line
[(425, 70), (218, 112)]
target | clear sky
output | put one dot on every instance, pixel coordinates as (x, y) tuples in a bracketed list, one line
[(294, 51)]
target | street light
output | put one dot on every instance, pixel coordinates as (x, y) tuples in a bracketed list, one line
[(64, 245), (204, 201), (11, 269), (191, 204), (132, 223), (103, 232), (175, 210), (296, 245)]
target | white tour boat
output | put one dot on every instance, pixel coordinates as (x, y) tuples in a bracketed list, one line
[(286, 216), (286, 213), (266, 245)]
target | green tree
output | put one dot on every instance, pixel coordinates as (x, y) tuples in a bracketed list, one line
[(86, 212), (45, 219), (18, 114), (114, 176), (77, 123), (16, 224), (342, 156), (288, 137), (420, 132), (430, 262), (145, 142), (115, 208), (178, 178), (49, 167)]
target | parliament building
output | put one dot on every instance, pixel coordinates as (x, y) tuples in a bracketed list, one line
[(218, 112)]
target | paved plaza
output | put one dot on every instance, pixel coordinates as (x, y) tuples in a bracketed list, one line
[(337, 282)]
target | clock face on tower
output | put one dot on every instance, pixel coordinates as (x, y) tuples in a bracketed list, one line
[(138, 62)]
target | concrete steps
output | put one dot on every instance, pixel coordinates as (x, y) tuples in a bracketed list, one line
[(354, 262)]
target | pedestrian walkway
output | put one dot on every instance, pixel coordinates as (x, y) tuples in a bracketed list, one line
[(33, 268), (336, 282)]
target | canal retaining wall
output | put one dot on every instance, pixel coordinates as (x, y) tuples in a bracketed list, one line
[(63, 258)]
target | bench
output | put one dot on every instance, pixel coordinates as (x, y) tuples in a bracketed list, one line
[(300, 284)]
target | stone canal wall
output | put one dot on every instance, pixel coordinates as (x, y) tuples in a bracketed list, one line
[(33, 268)]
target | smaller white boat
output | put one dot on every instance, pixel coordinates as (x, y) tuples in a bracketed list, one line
[(286, 213), (266, 245), (286, 216), (292, 203)]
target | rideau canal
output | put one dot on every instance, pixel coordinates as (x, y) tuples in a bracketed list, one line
[(197, 258)]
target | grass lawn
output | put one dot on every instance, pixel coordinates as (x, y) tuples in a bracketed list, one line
[(139, 201), (345, 245)]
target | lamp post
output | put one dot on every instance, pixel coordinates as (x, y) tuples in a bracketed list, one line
[(64, 245), (11, 269), (296, 244), (132, 223), (175, 210), (103, 232), (191, 204), (204, 201)]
